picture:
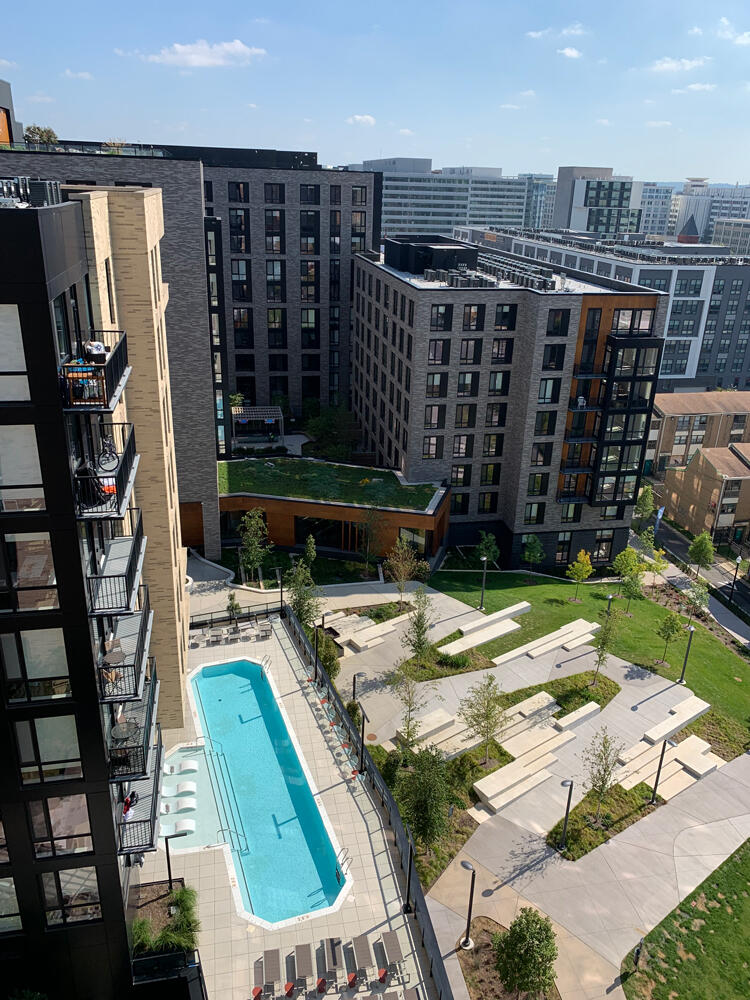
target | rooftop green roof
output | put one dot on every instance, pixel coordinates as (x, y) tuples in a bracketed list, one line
[(310, 480)]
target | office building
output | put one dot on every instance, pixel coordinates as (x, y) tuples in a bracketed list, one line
[(706, 204), (683, 422), (709, 296), (734, 234), (593, 200), (92, 588), (525, 387)]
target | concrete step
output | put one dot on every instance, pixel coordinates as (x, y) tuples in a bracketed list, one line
[(534, 704), (648, 772), (331, 617), (500, 781), (432, 724), (587, 711), (480, 636), (511, 794), (581, 640), (676, 784), (536, 741), (681, 715), (555, 639), (510, 612)]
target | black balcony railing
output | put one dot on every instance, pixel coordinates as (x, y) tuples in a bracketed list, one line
[(589, 371), (123, 660), (94, 380), (104, 479), (140, 831), (112, 590), (130, 739), (584, 404), (577, 496)]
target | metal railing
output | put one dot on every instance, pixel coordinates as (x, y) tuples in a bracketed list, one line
[(120, 680), (110, 593), (128, 756), (88, 385), (141, 834), (247, 613), (103, 477), (406, 855)]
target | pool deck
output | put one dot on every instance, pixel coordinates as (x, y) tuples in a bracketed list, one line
[(229, 945)]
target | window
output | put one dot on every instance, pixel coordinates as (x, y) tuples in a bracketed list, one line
[(557, 322), (554, 358), (490, 474), (499, 384), (310, 329), (35, 665), (359, 194), (534, 513), (10, 918), (471, 352), (502, 350), (496, 414), (460, 503), (239, 230), (635, 321), (273, 194), (473, 317), (466, 415), (463, 445), (610, 513), (437, 385), (538, 484), (277, 328), (460, 475), (238, 191), (492, 446), (438, 352), (309, 194), (208, 190), (688, 286), (593, 321), (70, 896), (545, 423), (441, 317), (468, 383), (27, 573), (309, 232), (505, 317), (310, 362), (62, 330), (275, 230), (242, 319), (276, 280), (432, 446), (603, 545), (240, 286), (60, 825), (20, 473), (570, 513), (541, 453), (487, 503), (562, 552), (48, 749), (549, 390), (434, 417), (308, 270)]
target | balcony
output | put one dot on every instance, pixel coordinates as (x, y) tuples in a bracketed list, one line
[(576, 468), (114, 588), (588, 372), (104, 482), (131, 739), (123, 657), (576, 497), (584, 404), (140, 832), (94, 382)]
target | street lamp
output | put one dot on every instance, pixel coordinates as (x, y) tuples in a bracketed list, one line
[(365, 718), (568, 783), (691, 629), (467, 944), (172, 836), (483, 560), (665, 744), (609, 603), (354, 684), (737, 562)]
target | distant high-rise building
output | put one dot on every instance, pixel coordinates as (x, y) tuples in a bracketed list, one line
[(593, 200), (734, 234), (707, 203)]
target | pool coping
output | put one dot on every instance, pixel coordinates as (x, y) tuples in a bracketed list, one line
[(225, 848)]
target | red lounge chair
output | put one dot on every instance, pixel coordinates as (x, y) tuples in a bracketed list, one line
[(288, 989), (321, 986), (382, 975), (257, 992), (351, 980)]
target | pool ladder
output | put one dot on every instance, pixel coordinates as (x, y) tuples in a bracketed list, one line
[(344, 860), (240, 846)]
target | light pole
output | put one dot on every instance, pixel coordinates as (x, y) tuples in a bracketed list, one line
[(407, 905), (665, 744), (737, 562), (609, 603), (171, 836), (568, 783), (467, 944), (365, 717), (354, 684), (483, 560), (691, 629)]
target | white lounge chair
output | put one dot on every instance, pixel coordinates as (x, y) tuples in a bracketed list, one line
[(189, 766), (184, 788), (186, 825), (179, 805)]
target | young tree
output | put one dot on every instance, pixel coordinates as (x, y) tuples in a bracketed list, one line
[(482, 711), (488, 546), (669, 628), (335, 432), (604, 641), (627, 563), (600, 760), (644, 505), (328, 655), (580, 570), (424, 794), (39, 134), (631, 589), (370, 529), (697, 598), (403, 564), (701, 552), (302, 594), (233, 606), (525, 954), (413, 695), (236, 399), (415, 638), (647, 539), (310, 551), (255, 543), (658, 565), (533, 552)]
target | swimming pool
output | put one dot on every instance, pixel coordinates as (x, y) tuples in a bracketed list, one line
[(285, 862)]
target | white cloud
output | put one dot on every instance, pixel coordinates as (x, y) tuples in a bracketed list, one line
[(670, 65), (405, 131), (261, 20), (649, 100), (603, 121), (659, 124), (569, 52), (528, 93), (729, 33), (40, 99), (252, 105), (743, 39), (695, 30), (539, 34), (79, 75), (510, 107), (574, 29), (307, 121), (202, 54), (7, 64), (361, 120), (701, 86)]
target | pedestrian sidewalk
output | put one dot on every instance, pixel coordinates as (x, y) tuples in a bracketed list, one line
[(726, 618)]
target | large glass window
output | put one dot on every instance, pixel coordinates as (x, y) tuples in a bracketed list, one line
[(240, 284), (309, 194), (437, 384), (466, 415), (473, 317), (35, 665), (20, 474), (492, 446), (27, 573), (534, 513), (441, 317), (460, 475), (545, 422), (309, 280), (496, 414), (541, 453), (438, 352), (471, 352), (432, 446), (14, 385), (549, 390), (70, 896), (502, 350), (538, 484), (463, 445), (603, 545), (275, 230), (239, 230), (309, 231), (557, 322), (275, 280), (460, 503), (487, 503), (434, 417), (62, 330), (48, 749), (274, 194), (505, 317), (10, 918), (242, 318), (468, 383), (60, 825)]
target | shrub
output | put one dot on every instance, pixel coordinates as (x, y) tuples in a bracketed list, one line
[(393, 764), (142, 935), (355, 715), (454, 661)]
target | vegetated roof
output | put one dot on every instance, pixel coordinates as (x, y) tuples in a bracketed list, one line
[(682, 404), (324, 481)]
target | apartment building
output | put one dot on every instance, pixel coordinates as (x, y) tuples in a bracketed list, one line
[(593, 200), (706, 204), (712, 493), (734, 234), (92, 584), (527, 388), (685, 422), (418, 199), (708, 327), (257, 250)]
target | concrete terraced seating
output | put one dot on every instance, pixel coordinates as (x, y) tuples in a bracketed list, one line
[(350, 624), (510, 612), (587, 711), (546, 643), (683, 764), (681, 715), (432, 724), (331, 617), (366, 638), (480, 636)]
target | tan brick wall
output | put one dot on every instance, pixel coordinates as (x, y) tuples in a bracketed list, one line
[(691, 494)]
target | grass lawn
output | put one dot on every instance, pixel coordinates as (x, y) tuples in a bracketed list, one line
[(230, 560), (467, 558), (700, 950), (571, 692), (297, 477), (326, 570), (715, 672), (380, 612), (620, 808)]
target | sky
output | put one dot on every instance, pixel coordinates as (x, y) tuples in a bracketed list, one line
[(659, 90)]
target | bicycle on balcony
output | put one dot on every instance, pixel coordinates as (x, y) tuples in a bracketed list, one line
[(108, 459)]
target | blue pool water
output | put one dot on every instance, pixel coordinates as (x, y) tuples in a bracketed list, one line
[(288, 866)]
